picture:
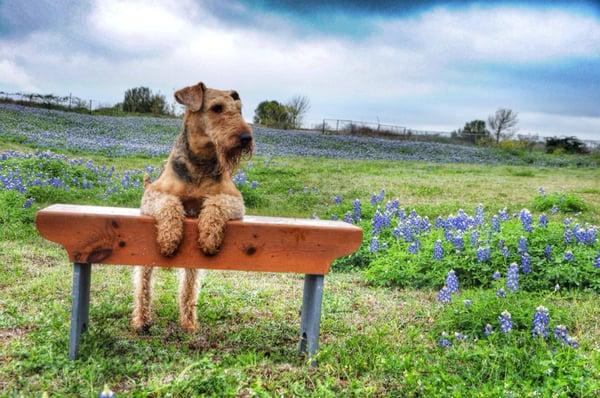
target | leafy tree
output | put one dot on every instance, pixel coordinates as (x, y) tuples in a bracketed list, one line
[(474, 132), (272, 114), (503, 123), (142, 100), (567, 144)]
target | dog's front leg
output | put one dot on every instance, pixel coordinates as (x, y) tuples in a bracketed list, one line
[(169, 215), (216, 211)]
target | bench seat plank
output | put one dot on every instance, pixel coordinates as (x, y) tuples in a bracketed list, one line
[(112, 235)]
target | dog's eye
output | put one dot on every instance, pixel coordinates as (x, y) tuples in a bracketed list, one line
[(217, 108), (235, 95)]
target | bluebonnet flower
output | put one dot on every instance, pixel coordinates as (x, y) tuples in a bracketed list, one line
[(512, 277), (501, 293), (107, 393), (541, 320), (452, 281), (240, 178), (501, 243), (392, 206), (474, 238), (495, 223), (458, 242), (522, 244), (526, 263), (488, 329), (542, 191), (254, 184), (414, 247), (335, 217), (348, 218), (585, 236), (561, 334), (496, 275), (374, 245), (467, 302), (380, 221), (479, 215), (444, 295), (337, 199), (27, 204), (503, 214), (438, 250), (526, 220), (569, 255), (483, 254), (505, 320), (376, 198), (548, 252), (459, 336), (444, 342), (505, 252), (543, 221), (597, 261), (554, 209), (356, 210)]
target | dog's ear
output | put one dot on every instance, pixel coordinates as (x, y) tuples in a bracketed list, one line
[(191, 96)]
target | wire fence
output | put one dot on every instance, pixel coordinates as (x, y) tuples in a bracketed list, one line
[(354, 127), (53, 101)]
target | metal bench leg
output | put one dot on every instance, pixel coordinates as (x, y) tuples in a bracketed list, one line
[(311, 314), (80, 305)]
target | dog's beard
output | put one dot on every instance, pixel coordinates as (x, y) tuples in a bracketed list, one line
[(231, 158)]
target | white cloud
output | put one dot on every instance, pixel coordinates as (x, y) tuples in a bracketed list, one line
[(12, 77)]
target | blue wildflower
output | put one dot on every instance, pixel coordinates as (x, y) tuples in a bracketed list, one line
[(554, 209), (107, 393), (444, 342), (597, 261), (548, 252), (526, 263), (501, 293), (458, 242), (543, 221), (254, 184), (561, 334), (374, 245), (505, 320), (495, 223), (444, 295), (459, 336), (414, 247), (479, 214), (357, 210), (522, 244), (376, 198), (496, 275), (467, 302), (541, 320), (348, 218), (526, 220), (569, 255), (488, 329), (474, 238), (542, 191), (337, 199), (452, 281), (512, 278), (27, 204), (438, 250), (505, 252), (483, 254)]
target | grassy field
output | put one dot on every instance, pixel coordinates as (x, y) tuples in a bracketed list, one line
[(377, 340)]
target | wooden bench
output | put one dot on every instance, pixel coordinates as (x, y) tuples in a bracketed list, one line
[(110, 235)]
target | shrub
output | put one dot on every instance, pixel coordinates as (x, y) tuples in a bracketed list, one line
[(565, 144), (565, 202)]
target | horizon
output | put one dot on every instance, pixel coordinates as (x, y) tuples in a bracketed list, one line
[(432, 66)]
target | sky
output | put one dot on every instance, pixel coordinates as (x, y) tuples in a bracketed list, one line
[(432, 65)]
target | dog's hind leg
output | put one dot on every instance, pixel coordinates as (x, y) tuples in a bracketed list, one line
[(216, 211), (189, 286), (142, 279), (169, 215)]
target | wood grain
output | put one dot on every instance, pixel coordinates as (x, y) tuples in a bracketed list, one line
[(111, 235)]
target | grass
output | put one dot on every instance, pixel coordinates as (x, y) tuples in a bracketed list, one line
[(376, 340)]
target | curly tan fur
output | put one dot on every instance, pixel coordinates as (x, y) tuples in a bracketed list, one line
[(196, 182)]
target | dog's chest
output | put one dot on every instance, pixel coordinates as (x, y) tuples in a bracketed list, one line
[(192, 206)]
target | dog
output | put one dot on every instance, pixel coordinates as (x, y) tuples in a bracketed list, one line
[(196, 181)]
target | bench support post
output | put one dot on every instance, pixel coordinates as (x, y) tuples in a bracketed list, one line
[(80, 305), (311, 314)]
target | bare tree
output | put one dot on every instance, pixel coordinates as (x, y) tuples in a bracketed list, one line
[(503, 123), (297, 107)]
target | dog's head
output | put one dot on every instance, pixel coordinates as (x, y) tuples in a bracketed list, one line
[(217, 116)]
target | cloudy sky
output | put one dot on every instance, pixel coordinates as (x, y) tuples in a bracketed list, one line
[(432, 66)]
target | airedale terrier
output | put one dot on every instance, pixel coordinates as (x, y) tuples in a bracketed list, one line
[(196, 182)]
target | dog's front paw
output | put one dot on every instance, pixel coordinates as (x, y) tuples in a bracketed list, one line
[(169, 238), (210, 242), (167, 248)]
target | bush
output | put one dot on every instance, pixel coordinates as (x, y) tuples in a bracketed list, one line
[(565, 144), (565, 202), (142, 100)]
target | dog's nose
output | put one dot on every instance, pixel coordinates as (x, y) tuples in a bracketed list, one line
[(245, 139)]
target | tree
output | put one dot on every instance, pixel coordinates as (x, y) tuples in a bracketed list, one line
[(297, 108), (567, 144), (141, 100), (272, 114), (503, 123), (473, 132)]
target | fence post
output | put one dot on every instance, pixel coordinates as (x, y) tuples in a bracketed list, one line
[(90, 107), (70, 100), (323, 126), (337, 126)]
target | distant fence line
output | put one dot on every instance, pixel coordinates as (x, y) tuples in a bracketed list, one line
[(355, 127), (68, 101)]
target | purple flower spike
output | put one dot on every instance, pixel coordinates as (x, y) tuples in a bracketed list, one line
[(452, 281), (541, 319), (505, 320)]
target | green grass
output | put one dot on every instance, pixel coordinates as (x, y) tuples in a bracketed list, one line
[(376, 340)]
